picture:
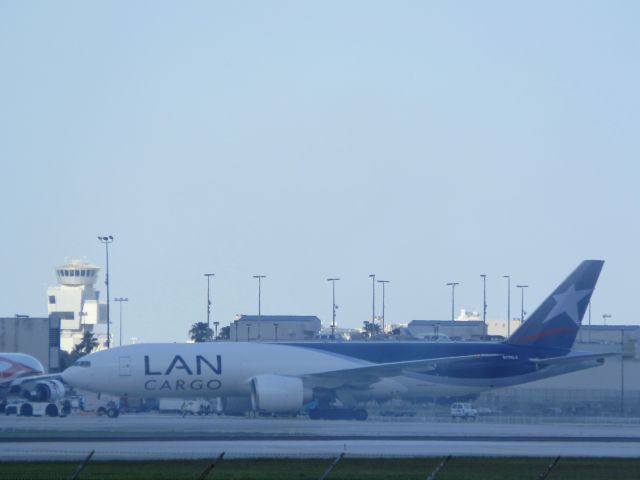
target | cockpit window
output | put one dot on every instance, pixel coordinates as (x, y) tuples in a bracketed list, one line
[(82, 363)]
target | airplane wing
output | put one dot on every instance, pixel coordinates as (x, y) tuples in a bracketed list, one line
[(364, 376), (573, 358)]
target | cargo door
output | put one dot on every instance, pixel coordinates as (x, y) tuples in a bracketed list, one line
[(125, 366)]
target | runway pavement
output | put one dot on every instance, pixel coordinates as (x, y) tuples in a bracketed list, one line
[(155, 436), (150, 450)]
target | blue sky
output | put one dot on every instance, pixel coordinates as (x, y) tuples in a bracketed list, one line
[(426, 142)]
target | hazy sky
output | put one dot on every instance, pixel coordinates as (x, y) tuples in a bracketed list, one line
[(425, 142)]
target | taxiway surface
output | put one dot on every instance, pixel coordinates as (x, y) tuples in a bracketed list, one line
[(154, 436)]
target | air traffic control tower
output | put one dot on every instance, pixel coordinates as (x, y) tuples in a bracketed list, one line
[(76, 302)]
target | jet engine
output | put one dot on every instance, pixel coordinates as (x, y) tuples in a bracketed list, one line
[(45, 391), (232, 405), (278, 393)]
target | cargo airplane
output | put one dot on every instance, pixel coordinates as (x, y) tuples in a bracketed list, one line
[(283, 377)]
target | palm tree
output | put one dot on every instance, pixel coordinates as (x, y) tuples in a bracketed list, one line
[(88, 344), (201, 332), (371, 329), (225, 333)]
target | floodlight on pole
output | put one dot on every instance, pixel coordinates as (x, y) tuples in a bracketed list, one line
[(622, 371), (508, 277), (522, 287), (383, 282), (209, 275), (373, 299), (120, 300), (333, 303), (259, 277), (453, 297), (106, 240), (484, 299)]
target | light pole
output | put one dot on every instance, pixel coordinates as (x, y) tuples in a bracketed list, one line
[(275, 326), (383, 283), (484, 300), (604, 318), (215, 324), (508, 277), (522, 287), (259, 277), (107, 240), (373, 299), (453, 297), (622, 371), (333, 297), (120, 300), (209, 275)]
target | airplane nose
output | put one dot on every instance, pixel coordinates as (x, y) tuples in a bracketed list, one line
[(66, 375), (70, 376)]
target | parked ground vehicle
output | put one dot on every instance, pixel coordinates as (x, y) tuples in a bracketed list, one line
[(463, 410), (110, 409), (195, 406), (35, 409)]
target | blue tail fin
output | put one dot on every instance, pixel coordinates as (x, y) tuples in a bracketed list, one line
[(555, 323)]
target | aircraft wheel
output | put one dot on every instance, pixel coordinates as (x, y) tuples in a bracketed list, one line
[(113, 413), (51, 410), (360, 414), (26, 410)]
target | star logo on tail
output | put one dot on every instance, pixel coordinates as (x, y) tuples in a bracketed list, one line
[(567, 302)]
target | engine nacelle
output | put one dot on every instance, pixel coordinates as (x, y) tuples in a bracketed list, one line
[(45, 391), (232, 405), (278, 393)]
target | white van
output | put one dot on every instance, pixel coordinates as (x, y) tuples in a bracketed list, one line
[(463, 410)]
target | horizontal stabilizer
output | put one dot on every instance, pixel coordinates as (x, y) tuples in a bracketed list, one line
[(580, 357)]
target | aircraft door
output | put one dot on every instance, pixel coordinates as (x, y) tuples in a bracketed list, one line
[(125, 366)]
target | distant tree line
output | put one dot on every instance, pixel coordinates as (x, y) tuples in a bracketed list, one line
[(201, 332)]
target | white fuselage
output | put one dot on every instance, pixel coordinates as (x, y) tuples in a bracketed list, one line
[(195, 370), (226, 370)]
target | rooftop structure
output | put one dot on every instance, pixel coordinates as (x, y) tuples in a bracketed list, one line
[(454, 329), (275, 327)]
